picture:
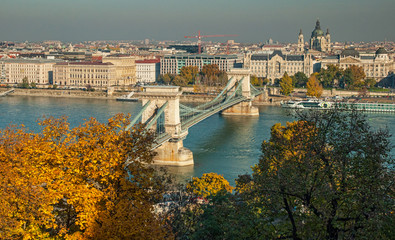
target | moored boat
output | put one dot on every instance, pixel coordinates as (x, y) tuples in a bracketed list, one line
[(307, 104), (128, 98), (320, 104)]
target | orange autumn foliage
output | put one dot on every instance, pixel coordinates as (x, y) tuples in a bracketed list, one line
[(90, 182)]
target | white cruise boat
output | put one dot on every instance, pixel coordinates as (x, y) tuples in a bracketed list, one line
[(307, 104)]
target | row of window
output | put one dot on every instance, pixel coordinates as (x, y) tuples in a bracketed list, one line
[(89, 76), (89, 70), (270, 64)]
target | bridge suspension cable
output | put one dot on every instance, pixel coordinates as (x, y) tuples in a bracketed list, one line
[(189, 116)]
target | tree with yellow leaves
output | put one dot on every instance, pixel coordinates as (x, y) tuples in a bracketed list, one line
[(90, 182), (209, 184), (286, 85), (314, 88)]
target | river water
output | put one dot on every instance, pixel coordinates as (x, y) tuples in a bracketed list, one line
[(228, 145)]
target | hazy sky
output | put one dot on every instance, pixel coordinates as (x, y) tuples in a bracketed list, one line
[(252, 20)]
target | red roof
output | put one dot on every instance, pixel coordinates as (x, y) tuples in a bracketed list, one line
[(97, 58), (148, 61), (273, 46), (84, 63)]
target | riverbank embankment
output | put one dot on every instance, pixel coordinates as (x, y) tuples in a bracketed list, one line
[(272, 97)]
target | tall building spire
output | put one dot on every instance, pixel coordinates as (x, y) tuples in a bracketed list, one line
[(300, 33), (317, 24)]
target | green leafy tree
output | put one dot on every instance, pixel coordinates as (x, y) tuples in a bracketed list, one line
[(314, 88), (370, 82), (328, 76), (33, 85), (286, 85), (299, 79), (24, 83), (222, 216), (254, 80), (353, 77), (326, 176), (166, 78)]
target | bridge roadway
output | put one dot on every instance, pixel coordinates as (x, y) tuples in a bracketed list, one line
[(170, 120), (164, 137)]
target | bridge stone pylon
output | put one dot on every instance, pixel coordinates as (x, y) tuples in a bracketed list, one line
[(170, 120), (171, 152), (244, 108)]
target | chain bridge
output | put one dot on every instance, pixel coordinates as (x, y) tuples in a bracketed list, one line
[(170, 120)]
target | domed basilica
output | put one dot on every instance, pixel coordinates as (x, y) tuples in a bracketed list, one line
[(319, 41)]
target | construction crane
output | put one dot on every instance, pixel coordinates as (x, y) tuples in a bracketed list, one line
[(199, 37)]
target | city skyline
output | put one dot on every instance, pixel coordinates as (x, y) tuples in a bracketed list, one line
[(252, 20)]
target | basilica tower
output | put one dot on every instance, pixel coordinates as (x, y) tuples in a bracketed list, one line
[(318, 40), (300, 42)]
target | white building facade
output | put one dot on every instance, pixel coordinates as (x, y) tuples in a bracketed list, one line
[(83, 74), (273, 65), (38, 71), (173, 63), (147, 71), (377, 65)]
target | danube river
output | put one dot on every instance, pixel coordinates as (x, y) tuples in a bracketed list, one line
[(228, 145)]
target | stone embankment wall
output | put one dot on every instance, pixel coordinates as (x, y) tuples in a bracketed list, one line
[(62, 93), (271, 97), (96, 94)]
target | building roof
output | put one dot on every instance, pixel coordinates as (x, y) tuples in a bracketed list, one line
[(148, 61), (200, 56), (381, 51), (85, 63), (22, 60), (332, 57), (367, 57), (265, 57), (349, 52), (295, 57), (260, 57), (317, 30)]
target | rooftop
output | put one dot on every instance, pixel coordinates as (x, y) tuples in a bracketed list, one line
[(84, 63), (21, 60), (148, 61)]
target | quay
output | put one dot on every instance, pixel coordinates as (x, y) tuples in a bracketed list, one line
[(3, 94)]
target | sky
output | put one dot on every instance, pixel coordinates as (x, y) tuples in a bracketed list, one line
[(253, 20)]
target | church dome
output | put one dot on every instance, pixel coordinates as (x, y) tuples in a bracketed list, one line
[(317, 30), (381, 51), (350, 52)]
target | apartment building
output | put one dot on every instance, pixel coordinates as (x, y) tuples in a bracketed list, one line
[(38, 71), (274, 64), (84, 74), (147, 70), (125, 69), (377, 65), (173, 63)]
